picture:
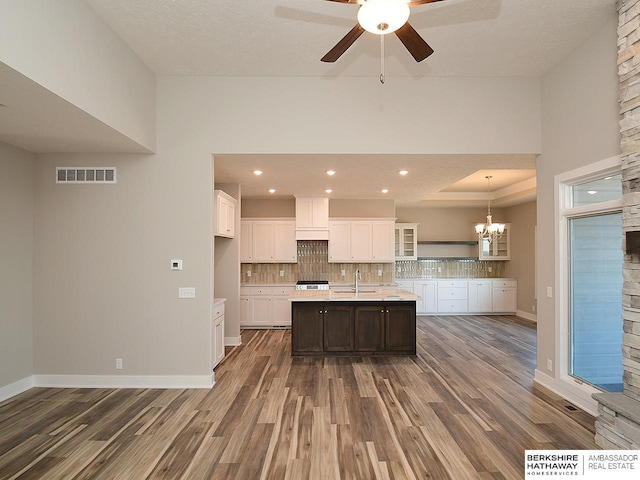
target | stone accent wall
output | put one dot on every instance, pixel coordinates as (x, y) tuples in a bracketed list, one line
[(629, 73), (618, 423)]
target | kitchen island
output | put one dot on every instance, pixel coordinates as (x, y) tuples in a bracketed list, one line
[(340, 322)]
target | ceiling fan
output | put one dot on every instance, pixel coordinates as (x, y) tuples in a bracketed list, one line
[(382, 17)]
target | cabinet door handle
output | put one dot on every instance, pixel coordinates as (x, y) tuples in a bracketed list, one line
[(320, 312)]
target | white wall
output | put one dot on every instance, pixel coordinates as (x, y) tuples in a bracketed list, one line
[(580, 126), (352, 115), (103, 284), (16, 271), (64, 46)]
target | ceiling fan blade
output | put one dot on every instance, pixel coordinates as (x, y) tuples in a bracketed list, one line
[(356, 2), (343, 45), (413, 3), (416, 45)]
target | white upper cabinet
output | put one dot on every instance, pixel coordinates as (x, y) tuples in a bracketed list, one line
[(406, 241), (312, 218), (339, 241), (285, 246), (225, 208), (246, 242), (496, 250), (361, 241), (382, 244), (268, 241)]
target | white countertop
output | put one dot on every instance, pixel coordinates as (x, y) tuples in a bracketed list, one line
[(217, 301), (365, 294)]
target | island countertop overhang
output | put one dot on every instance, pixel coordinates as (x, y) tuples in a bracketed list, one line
[(345, 295)]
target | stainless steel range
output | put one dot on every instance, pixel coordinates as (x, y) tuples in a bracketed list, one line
[(312, 285)]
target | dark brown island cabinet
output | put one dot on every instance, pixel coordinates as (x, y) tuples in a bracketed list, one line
[(353, 328)]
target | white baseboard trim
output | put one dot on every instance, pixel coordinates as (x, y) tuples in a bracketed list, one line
[(579, 395), (125, 381), (527, 316), (16, 388), (232, 341)]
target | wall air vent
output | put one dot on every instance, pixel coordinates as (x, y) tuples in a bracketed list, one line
[(86, 175)]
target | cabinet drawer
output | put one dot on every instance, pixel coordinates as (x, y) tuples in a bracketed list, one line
[(452, 306), (250, 291), (284, 291), (218, 311), (452, 293), (504, 283), (452, 284)]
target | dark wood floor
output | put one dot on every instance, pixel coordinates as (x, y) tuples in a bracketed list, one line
[(463, 408)]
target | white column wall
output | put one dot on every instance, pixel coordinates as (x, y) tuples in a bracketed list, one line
[(16, 272), (64, 46)]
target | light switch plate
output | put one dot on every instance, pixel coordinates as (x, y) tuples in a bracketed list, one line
[(187, 292)]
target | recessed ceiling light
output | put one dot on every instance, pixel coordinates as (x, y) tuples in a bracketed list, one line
[(403, 172), (592, 192), (331, 172), (257, 172), (272, 190), (385, 190), (328, 190)]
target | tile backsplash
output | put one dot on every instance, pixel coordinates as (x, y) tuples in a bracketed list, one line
[(450, 268), (313, 264)]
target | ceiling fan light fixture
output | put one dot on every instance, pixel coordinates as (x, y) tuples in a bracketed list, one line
[(383, 16)]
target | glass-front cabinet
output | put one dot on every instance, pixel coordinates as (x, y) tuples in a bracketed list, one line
[(406, 241), (498, 249)]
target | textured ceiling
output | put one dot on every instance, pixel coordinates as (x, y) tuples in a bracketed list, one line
[(288, 37)]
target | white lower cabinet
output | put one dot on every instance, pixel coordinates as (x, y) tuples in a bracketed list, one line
[(480, 300), (428, 290), (453, 296), (504, 294), (264, 307), (472, 296), (217, 334)]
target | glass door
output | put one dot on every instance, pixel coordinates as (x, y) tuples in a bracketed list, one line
[(595, 263)]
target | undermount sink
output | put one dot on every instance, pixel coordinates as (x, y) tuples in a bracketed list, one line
[(353, 292)]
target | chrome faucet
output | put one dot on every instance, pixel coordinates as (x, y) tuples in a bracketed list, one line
[(357, 278)]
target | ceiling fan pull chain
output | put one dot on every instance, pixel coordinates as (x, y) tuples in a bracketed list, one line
[(382, 59)]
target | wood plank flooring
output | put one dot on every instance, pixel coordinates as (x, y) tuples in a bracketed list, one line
[(463, 408)]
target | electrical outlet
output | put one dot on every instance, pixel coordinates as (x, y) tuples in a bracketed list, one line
[(533, 308), (282, 273), (187, 292), (549, 365), (490, 269), (343, 273), (439, 269), (379, 273), (549, 292), (248, 273), (118, 364)]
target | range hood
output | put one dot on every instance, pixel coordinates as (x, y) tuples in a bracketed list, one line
[(312, 218)]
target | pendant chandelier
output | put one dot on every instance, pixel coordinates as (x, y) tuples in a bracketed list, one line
[(489, 231)]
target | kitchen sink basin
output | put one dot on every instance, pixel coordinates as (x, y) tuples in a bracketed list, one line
[(353, 292)]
